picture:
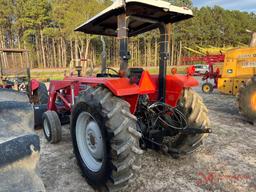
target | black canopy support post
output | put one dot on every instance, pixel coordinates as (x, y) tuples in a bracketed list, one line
[(122, 36), (164, 55), (29, 83)]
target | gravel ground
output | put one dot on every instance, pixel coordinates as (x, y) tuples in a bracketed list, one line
[(226, 161)]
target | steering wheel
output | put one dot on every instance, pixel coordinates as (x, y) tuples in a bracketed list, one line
[(108, 74), (108, 69)]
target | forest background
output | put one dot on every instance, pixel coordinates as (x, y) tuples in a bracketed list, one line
[(46, 29)]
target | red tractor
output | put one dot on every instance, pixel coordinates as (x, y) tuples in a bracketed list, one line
[(207, 86), (113, 114)]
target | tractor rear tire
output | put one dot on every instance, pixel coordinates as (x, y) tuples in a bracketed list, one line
[(196, 113), (207, 88), (104, 139), (247, 100), (52, 127)]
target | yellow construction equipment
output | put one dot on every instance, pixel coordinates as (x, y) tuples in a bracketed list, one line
[(214, 50), (247, 99), (247, 92), (239, 66), (238, 78)]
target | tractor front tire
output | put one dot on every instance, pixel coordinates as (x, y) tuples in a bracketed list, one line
[(104, 139), (196, 113), (207, 88), (247, 100), (52, 127)]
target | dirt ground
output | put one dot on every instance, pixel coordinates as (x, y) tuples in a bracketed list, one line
[(226, 161)]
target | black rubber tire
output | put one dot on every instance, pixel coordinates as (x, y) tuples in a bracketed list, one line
[(244, 97), (42, 93), (207, 88), (54, 125), (197, 116), (120, 138)]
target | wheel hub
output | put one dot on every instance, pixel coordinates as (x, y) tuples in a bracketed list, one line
[(46, 128), (89, 141), (94, 140), (206, 88)]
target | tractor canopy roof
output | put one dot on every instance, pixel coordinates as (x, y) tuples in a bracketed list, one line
[(144, 15)]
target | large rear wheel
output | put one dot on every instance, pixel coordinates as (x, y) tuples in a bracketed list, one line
[(247, 100), (104, 138), (196, 113), (40, 95)]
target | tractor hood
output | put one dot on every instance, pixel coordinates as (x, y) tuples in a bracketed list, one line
[(143, 15)]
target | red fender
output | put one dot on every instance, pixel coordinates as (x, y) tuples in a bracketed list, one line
[(34, 84), (191, 70), (121, 87), (174, 87), (186, 81)]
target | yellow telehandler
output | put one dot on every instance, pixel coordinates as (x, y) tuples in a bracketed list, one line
[(238, 78)]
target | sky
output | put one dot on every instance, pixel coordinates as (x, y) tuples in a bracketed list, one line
[(242, 5)]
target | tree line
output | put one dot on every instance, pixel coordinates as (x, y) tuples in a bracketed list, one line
[(46, 29)]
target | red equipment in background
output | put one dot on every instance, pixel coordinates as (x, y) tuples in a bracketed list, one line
[(212, 75), (208, 59)]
